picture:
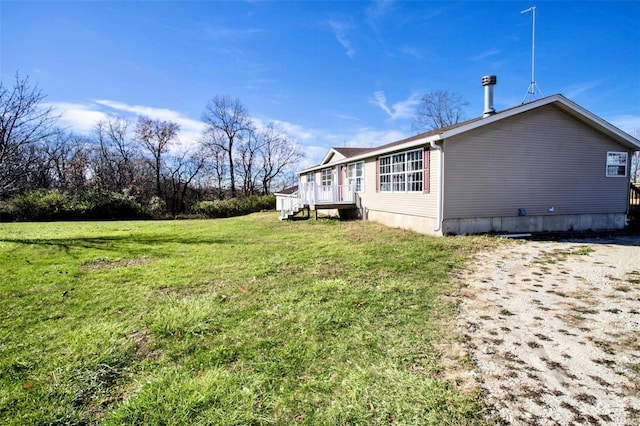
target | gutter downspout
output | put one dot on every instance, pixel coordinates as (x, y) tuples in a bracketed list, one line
[(439, 148)]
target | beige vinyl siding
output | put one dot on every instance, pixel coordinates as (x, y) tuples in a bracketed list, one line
[(536, 161), (335, 156), (414, 204)]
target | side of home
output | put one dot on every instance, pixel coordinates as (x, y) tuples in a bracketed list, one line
[(392, 184), (548, 165), (543, 170)]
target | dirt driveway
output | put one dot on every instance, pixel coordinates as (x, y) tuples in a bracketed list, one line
[(554, 330)]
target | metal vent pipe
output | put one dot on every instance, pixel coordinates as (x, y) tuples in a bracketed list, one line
[(488, 81)]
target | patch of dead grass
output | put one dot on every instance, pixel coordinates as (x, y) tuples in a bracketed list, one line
[(112, 264)]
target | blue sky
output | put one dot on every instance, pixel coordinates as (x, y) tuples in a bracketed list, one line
[(339, 73)]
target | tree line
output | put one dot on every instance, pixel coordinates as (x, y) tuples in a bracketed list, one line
[(141, 160)]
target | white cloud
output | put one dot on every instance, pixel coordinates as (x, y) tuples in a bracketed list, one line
[(378, 9), (313, 156), (348, 117), (190, 129), (81, 117), (294, 131), (400, 110), (78, 118), (486, 54), (628, 123), (381, 100), (340, 32), (218, 32), (317, 142), (367, 138), (317, 147), (576, 90)]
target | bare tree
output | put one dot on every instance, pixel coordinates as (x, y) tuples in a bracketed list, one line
[(247, 157), (182, 171), (66, 160), (438, 109), (277, 155), (23, 124), (216, 164), (228, 123), (156, 137), (116, 153)]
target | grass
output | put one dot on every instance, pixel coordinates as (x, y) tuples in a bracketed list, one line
[(235, 321)]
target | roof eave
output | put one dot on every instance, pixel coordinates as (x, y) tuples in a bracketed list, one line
[(560, 101), (375, 153), (327, 157), (564, 104), (500, 115), (620, 136)]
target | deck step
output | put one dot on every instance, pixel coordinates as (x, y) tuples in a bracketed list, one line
[(292, 213)]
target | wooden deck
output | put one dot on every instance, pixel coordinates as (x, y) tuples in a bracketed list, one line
[(333, 206), (310, 196)]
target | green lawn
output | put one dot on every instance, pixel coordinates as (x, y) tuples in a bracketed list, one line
[(237, 321)]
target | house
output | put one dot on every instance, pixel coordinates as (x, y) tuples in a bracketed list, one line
[(546, 165)]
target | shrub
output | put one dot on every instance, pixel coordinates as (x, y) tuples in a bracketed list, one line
[(51, 204), (107, 205), (8, 211), (157, 207), (43, 204), (234, 206), (39, 204)]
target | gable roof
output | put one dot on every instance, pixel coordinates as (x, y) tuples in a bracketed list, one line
[(352, 152), (559, 101), (344, 153), (287, 191)]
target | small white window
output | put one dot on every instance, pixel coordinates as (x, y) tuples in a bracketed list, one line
[(327, 174), (311, 177), (385, 174), (617, 164), (355, 176)]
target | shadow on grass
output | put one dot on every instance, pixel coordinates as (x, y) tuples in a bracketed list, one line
[(115, 242)]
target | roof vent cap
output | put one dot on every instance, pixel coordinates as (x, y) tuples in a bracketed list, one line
[(488, 81)]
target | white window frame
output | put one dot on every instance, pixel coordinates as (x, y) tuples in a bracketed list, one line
[(616, 160), (384, 174), (355, 175), (311, 177), (402, 172), (327, 177)]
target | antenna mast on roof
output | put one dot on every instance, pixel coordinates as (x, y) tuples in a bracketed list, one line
[(533, 86)]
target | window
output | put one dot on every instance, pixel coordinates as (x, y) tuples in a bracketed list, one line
[(616, 164), (311, 177), (385, 174), (414, 171), (326, 177), (402, 172), (355, 176)]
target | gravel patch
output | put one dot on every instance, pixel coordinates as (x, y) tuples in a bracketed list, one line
[(554, 330)]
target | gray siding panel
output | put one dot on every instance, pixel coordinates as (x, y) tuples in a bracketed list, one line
[(537, 161)]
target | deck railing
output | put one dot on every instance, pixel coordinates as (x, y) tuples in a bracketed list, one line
[(289, 204), (310, 194)]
